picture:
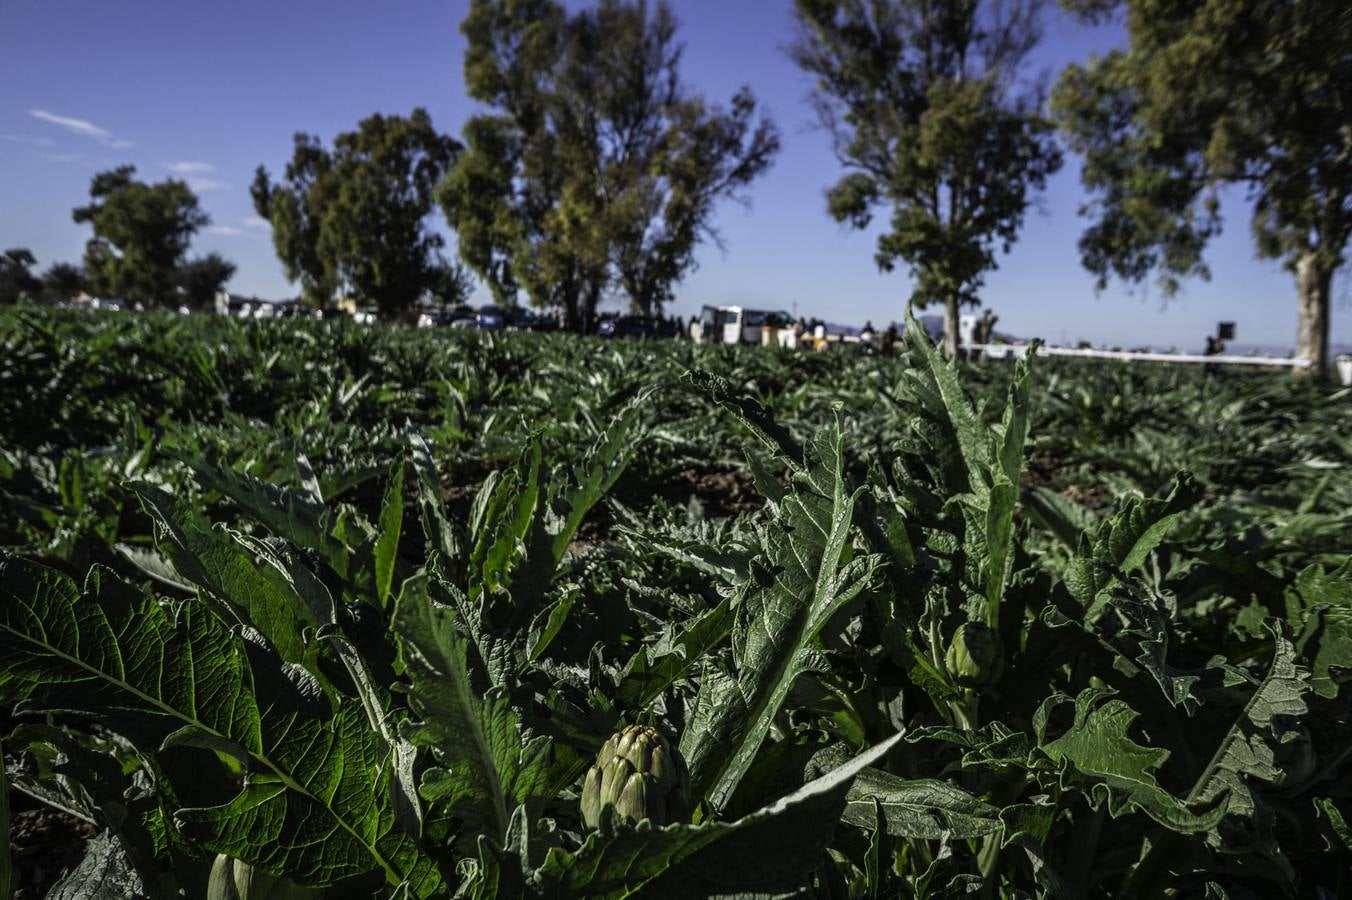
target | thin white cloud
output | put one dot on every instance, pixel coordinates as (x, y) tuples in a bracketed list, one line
[(202, 185), (78, 126), (226, 230), (82, 127), (30, 139), (188, 167), (66, 157), (257, 222)]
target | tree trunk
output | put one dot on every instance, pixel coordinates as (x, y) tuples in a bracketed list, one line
[(951, 327), (590, 301), (568, 301), (1313, 287)]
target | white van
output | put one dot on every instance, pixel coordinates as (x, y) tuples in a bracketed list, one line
[(735, 325)]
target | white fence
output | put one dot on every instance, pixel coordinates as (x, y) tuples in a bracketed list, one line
[(1003, 351)]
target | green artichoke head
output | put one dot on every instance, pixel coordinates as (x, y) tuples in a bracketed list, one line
[(234, 879), (975, 656), (639, 773)]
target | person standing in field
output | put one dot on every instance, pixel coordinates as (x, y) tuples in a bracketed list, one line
[(889, 340), (1214, 347)]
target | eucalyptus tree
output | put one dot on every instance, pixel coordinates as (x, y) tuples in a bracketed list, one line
[(356, 218), (1251, 93), (141, 235), (932, 119), (596, 168), (16, 279), (200, 279), (62, 281)]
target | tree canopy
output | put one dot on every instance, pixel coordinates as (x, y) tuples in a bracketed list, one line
[(596, 168), (355, 218), (16, 279), (200, 280), (931, 119), (1255, 93), (141, 235), (63, 281)]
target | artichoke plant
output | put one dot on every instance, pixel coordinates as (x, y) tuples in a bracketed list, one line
[(975, 656), (641, 775)]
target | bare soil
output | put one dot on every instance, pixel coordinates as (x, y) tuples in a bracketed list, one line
[(45, 843)]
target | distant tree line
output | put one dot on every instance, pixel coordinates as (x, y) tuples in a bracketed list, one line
[(594, 171)]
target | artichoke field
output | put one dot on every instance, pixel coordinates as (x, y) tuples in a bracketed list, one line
[(307, 609)]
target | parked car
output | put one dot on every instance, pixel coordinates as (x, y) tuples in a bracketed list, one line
[(633, 326), (520, 318), (490, 318), (439, 317)]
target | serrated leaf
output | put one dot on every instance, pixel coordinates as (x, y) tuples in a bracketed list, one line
[(440, 534), (289, 514), (777, 617), (651, 670), (485, 766), (750, 413), (1125, 539), (922, 808), (1320, 604), (315, 803), (1098, 746), (243, 577), (1247, 750)]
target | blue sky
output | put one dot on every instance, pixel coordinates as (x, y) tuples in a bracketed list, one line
[(206, 91)]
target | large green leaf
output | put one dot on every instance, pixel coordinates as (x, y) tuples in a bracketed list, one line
[(799, 585), (290, 514), (922, 808), (105, 872), (386, 549), (652, 670), (1123, 772), (485, 765), (246, 578), (1247, 752), (933, 384), (315, 803), (991, 459), (1124, 540), (1320, 603)]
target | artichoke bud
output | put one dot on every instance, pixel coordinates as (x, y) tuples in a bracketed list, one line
[(639, 773), (975, 656), (633, 803), (234, 879), (614, 777), (591, 795)]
